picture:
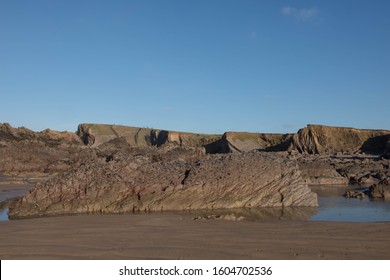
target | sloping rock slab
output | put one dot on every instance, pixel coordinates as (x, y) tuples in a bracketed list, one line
[(137, 183)]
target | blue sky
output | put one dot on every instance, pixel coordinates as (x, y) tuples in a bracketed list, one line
[(204, 66)]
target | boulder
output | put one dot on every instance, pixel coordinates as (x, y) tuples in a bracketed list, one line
[(354, 194), (380, 190)]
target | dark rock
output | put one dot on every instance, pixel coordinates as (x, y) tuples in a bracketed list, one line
[(354, 194), (380, 190)]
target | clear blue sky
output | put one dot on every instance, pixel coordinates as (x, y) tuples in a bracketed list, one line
[(197, 65)]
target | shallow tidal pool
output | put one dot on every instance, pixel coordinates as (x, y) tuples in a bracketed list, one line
[(334, 207)]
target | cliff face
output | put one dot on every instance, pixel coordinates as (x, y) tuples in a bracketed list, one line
[(97, 134), (233, 142), (314, 139), (46, 153), (386, 154), (136, 181), (326, 140)]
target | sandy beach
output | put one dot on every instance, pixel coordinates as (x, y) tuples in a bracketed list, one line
[(179, 236)]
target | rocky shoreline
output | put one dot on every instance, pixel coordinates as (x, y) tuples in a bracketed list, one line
[(115, 169)]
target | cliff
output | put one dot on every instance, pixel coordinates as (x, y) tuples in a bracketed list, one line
[(313, 139), (97, 134), (28, 153), (327, 140), (232, 142)]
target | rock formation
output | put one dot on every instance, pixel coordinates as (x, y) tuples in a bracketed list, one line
[(314, 139), (320, 171), (325, 155), (326, 140), (49, 137), (97, 134), (38, 153), (386, 153), (342, 170), (143, 180), (380, 190), (233, 142)]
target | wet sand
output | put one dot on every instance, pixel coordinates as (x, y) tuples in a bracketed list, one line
[(179, 236)]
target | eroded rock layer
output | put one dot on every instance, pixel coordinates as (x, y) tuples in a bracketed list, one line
[(138, 181), (327, 140), (44, 153), (97, 134)]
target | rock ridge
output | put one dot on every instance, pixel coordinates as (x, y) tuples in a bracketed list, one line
[(137, 181), (327, 140)]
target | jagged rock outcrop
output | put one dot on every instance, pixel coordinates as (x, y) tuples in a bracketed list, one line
[(320, 171), (344, 154), (380, 190), (47, 136), (24, 151), (138, 181), (342, 170), (327, 140), (354, 194)]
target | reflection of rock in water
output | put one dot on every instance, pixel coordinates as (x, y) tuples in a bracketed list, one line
[(260, 214), (3, 205), (6, 203)]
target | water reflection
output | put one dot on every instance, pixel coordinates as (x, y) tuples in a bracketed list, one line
[(8, 192), (4, 214), (334, 207)]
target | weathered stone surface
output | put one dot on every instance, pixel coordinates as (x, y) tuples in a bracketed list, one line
[(314, 139), (354, 194), (233, 142), (97, 134), (320, 171), (24, 151), (342, 170), (138, 181), (49, 152), (47, 136), (327, 140), (380, 190)]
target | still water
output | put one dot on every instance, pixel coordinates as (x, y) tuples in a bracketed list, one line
[(3, 214), (334, 207)]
